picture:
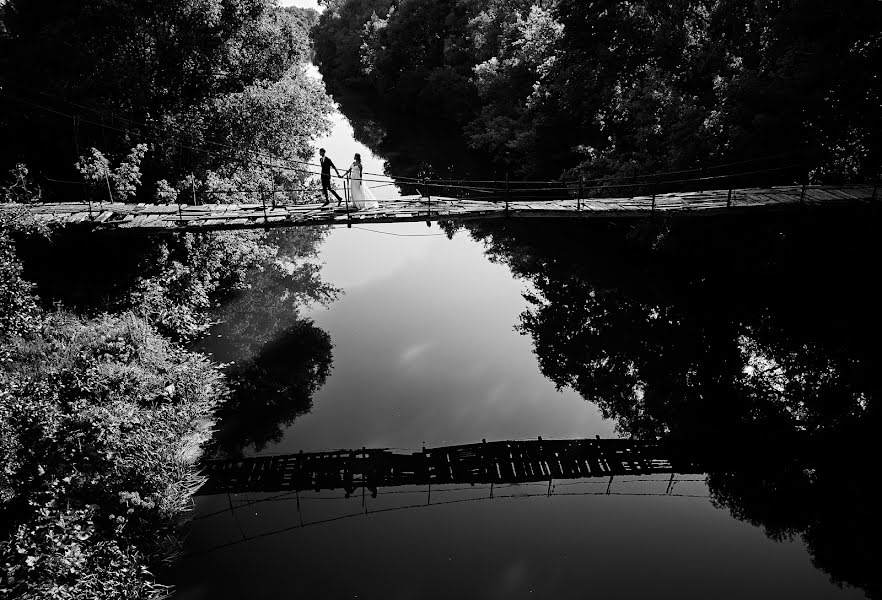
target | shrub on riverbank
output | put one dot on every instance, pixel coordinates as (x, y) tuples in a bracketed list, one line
[(101, 422)]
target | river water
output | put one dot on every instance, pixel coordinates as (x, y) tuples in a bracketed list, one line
[(425, 351)]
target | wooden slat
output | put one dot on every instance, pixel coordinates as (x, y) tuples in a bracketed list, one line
[(231, 216)]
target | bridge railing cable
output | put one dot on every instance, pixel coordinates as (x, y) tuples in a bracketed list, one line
[(636, 186)]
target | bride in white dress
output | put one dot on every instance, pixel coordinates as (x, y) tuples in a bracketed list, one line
[(362, 196)]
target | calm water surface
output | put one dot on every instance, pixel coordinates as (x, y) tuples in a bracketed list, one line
[(425, 351)]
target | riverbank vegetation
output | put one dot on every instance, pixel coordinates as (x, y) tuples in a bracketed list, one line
[(103, 411), (541, 87), (102, 421)]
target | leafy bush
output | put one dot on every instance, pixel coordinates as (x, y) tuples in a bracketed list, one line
[(189, 274), (120, 183), (21, 187), (64, 554), (18, 310), (102, 422)]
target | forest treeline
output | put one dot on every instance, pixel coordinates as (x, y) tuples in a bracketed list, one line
[(617, 88)]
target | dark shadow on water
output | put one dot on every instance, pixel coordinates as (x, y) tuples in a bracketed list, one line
[(743, 338), (273, 388)]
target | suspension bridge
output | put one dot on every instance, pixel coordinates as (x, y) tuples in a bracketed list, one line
[(512, 203), (703, 191)]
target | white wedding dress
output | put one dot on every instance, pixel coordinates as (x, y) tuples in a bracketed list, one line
[(362, 196)]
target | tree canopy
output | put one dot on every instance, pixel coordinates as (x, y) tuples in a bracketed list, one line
[(614, 87), (212, 87)]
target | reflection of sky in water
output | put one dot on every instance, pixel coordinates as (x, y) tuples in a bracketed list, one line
[(425, 350)]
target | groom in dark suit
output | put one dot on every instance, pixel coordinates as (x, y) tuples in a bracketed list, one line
[(326, 164)]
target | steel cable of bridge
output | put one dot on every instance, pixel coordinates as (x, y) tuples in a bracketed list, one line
[(399, 179), (154, 138), (467, 188), (400, 234), (116, 115), (286, 162), (155, 127)]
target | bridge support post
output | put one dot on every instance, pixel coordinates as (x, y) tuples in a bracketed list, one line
[(729, 198), (428, 196), (506, 193), (805, 182), (346, 198), (579, 197), (654, 185)]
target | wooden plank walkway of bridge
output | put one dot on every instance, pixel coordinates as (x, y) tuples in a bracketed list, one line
[(152, 218), (484, 463)]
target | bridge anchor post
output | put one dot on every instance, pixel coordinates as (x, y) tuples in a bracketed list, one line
[(805, 183), (346, 197), (506, 193), (428, 197), (263, 201)]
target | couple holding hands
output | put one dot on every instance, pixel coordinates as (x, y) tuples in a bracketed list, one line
[(362, 196)]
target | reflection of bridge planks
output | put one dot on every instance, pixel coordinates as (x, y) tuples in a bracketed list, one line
[(489, 462), (206, 217)]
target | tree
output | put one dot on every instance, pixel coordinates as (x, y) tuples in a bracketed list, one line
[(196, 80)]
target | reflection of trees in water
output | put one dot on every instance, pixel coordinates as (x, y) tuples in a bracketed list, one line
[(274, 387), (756, 342), (278, 360), (275, 296)]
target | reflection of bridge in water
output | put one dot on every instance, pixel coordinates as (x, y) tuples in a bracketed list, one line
[(485, 463)]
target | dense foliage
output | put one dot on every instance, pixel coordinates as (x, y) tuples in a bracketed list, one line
[(101, 422), (216, 90), (620, 87)]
